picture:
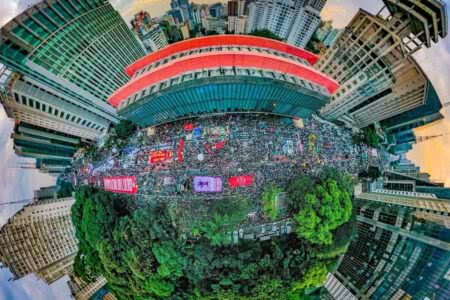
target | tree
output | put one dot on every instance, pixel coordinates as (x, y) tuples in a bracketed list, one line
[(266, 33), (297, 190), (315, 276), (270, 202), (124, 129), (328, 207)]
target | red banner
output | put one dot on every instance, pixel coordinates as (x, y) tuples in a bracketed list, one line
[(180, 150), (244, 180), (219, 145), (160, 156), (121, 184)]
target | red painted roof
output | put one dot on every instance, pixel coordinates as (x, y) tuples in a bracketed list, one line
[(222, 59), (221, 40)]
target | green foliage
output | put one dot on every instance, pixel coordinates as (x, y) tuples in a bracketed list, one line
[(371, 137), (270, 203), (320, 206), (315, 276), (124, 129), (143, 255), (266, 33)]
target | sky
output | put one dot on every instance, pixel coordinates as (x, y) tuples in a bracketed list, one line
[(17, 184)]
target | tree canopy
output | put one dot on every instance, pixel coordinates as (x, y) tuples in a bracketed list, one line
[(144, 254), (266, 33)]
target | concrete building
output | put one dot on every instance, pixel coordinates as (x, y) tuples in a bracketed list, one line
[(40, 239), (402, 250), (26, 100), (237, 25), (82, 290), (77, 48), (154, 38), (372, 61), (185, 30), (213, 24), (293, 20), (220, 74)]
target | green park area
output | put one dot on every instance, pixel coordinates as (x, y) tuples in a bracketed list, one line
[(183, 249)]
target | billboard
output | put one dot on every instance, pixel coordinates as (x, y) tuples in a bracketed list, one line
[(207, 184), (160, 156), (121, 184), (244, 180)]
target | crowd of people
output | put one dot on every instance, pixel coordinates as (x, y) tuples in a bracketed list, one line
[(271, 149)]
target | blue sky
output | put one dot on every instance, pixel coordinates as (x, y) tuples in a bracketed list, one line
[(18, 184)]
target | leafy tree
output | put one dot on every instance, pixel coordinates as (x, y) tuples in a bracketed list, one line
[(266, 33), (328, 207), (297, 190), (315, 276), (270, 203), (124, 129)]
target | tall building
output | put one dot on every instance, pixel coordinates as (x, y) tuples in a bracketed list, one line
[(372, 61), (293, 20), (77, 48), (25, 100), (52, 150), (232, 8), (402, 250), (40, 239), (213, 24), (184, 7), (237, 25), (82, 290), (154, 39), (219, 74), (216, 10)]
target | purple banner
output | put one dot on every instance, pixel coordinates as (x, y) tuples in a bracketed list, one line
[(207, 184)]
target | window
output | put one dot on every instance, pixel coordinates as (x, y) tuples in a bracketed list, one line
[(24, 100), (38, 105), (16, 97), (31, 102)]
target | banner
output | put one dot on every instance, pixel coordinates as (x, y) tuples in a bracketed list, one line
[(160, 156), (188, 127), (244, 180), (180, 150), (121, 184), (207, 184)]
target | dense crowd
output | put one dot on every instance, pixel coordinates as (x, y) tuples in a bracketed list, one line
[(269, 148)]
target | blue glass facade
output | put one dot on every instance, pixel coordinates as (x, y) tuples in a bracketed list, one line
[(224, 94)]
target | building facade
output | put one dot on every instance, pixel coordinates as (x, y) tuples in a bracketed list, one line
[(372, 61), (154, 39), (82, 290), (77, 48), (402, 250), (219, 74), (237, 25), (293, 20), (26, 100), (40, 239)]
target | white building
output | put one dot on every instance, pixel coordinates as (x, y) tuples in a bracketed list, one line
[(26, 100), (237, 25), (40, 238), (293, 20), (372, 60), (213, 24), (154, 39)]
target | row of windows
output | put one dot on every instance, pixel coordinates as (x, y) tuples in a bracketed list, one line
[(56, 112)]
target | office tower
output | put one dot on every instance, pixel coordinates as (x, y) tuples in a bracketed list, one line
[(237, 25), (402, 250), (225, 73), (241, 7), (154, 38), (75, 48), (232, 8), (82, 290), (196, 13), (185, 30), (216, 10), (184, 7), (40, 239), (25, 100), (213, 24), (372, 61), (292, 20), (177, 15), (401, 126), (52, 150)]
